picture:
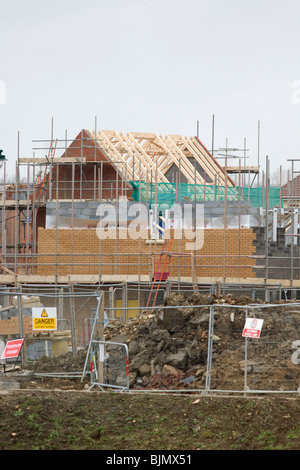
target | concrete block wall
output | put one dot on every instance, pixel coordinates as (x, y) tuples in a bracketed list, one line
[(37, 349), (81, 210), (282, 256)]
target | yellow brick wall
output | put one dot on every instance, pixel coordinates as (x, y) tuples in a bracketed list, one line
[(78, 253)]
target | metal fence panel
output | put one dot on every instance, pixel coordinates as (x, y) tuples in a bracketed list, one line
[(268, 363), (109, 365), (18, 309)]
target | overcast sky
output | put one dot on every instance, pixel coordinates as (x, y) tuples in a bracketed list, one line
[(154, 66)]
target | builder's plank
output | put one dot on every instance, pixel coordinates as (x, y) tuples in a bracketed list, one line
[(52, 161)]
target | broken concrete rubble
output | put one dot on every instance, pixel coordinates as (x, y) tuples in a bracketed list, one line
[(168, 347)]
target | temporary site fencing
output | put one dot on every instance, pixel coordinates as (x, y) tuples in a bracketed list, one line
[(109, 365), (267, 363), (230, 362), (26, 311)]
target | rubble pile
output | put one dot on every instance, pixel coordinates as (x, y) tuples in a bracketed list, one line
[(168, 345), (64, 363)]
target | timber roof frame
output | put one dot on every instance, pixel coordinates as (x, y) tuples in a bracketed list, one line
[(139, 155)]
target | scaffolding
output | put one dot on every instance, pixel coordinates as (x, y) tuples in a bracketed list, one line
[(106, 166)]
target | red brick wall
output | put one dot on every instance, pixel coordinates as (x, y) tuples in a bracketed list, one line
[(85, 175), (86, 186)]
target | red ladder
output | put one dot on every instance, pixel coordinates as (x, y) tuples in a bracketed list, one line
[(160, 276)]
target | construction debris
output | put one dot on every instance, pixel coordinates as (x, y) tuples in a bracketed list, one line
[(168, 345)]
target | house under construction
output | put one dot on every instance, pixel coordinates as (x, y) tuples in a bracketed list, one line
[(50, 223), (135, 216)]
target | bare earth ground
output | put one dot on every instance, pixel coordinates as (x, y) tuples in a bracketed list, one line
[(63, 418)]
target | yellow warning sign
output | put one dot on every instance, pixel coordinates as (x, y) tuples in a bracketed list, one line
[(44, 318), (44, 323)]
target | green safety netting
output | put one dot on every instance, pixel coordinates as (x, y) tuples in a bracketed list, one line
[(258, 196), (169, 193)]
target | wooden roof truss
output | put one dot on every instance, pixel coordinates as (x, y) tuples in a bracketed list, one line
[(142, 156)]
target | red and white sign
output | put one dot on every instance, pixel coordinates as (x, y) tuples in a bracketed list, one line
[(12, 348), (252, 328)]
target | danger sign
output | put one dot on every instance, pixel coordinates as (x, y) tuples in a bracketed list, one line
[(12, 349), (252, 328), (44, 318)]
